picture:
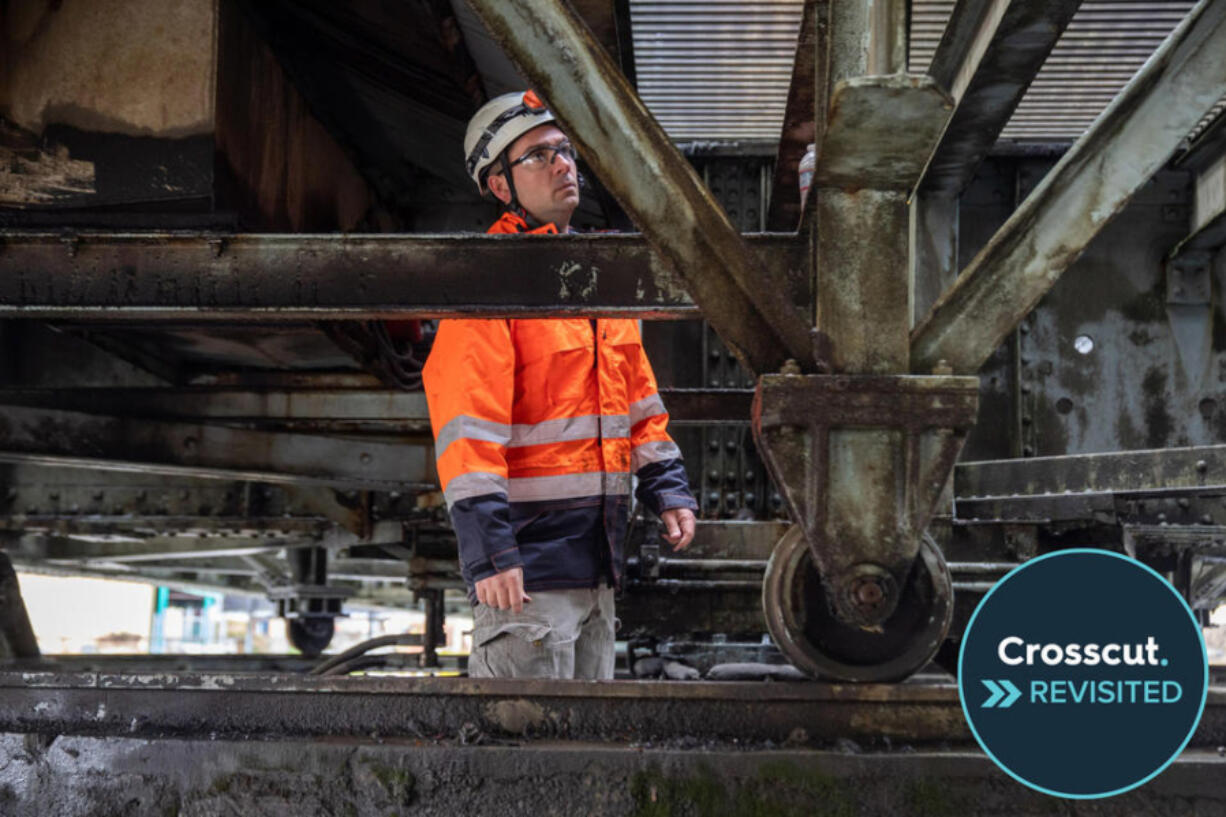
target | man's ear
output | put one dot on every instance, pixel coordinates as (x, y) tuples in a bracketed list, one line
[(499, 187)]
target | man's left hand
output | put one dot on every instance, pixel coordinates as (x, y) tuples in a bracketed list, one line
[(680, 525)]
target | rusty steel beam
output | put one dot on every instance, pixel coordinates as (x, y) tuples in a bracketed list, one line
[(309, 409), (73, 439), (878, 136), (744, 301), (804, 116), (987, 59), (1132, 139), (337, 277), (146, 705), (245, 405), (1201, 468)]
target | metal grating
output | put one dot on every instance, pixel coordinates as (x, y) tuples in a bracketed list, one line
[(1104, 45), (716, 69), (719, 69)]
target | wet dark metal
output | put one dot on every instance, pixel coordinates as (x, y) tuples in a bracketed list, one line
[(1202, 467), (51, 437), (807, 102), (861, 462), (338, 277), (652, 181), (187, 705), (798, 606), (1130, 142), (15, 629), (707, 405)]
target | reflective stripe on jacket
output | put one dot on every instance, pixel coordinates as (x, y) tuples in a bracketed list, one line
[(538, 426)]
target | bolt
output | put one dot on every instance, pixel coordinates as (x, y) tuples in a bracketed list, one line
[(1202, 466), (869, 593), (1161, 517), (1206, 520), (790, 367), (1183, 502), (189, 444), (943, 369)]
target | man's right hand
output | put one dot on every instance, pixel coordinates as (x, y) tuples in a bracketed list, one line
[(504, 591)]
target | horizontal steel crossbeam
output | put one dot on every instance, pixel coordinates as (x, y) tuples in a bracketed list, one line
[(275, 277)]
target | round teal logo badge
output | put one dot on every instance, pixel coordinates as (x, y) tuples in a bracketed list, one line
[(1083, 673)]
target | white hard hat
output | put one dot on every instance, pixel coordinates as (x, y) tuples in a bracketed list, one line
[(500, 122)]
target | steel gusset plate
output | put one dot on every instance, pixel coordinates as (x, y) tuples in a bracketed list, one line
[(862, 461)]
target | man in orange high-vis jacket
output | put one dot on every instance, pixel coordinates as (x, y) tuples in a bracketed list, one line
[(539, 427)]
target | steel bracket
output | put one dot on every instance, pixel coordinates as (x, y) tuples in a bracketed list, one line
[(861, 462)]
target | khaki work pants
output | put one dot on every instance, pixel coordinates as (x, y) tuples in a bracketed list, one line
[(560, 634)]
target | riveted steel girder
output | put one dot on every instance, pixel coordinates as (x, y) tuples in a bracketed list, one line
[(205, 277), (652, 181), (1128, 143)]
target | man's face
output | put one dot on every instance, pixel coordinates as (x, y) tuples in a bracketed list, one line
[(548, 189)]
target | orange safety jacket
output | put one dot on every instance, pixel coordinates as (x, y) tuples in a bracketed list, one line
[(538, 426)]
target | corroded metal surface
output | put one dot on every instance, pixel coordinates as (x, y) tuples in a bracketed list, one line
[(807, 100), (1128, 144), (650, 179), (987, 69), (293, 277), (879, 132), (863, 280), (48, 436), (1125, 471), (861, 462), (798, 606), (232, 705)]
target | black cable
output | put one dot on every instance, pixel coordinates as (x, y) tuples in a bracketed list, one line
[(399, 639)]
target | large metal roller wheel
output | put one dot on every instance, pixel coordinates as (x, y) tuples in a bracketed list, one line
[(802, 622)]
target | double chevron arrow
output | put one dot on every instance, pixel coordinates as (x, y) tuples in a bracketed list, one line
[(1000, 690)]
